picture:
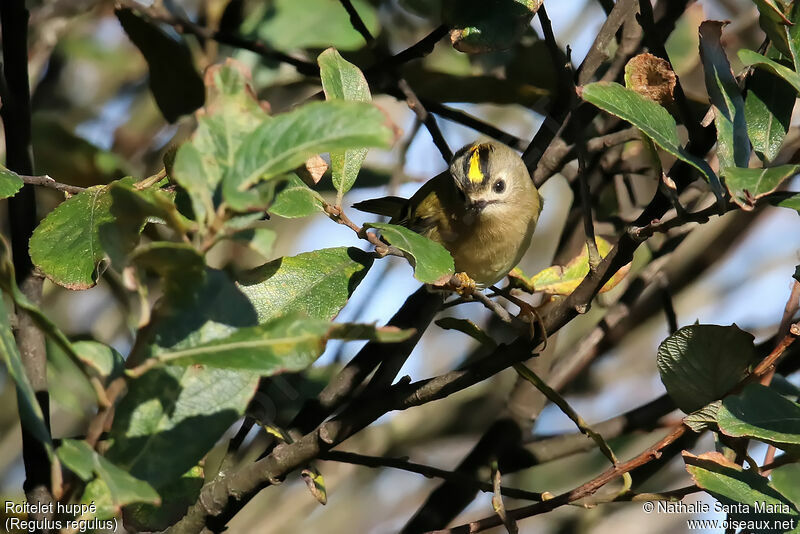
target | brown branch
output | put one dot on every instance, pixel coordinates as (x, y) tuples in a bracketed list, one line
[(652, 453), (554, 160), (597, 53), (338, 215), (46, 181), (584, 490)]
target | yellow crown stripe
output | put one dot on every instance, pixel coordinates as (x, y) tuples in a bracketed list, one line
[(474, 173)]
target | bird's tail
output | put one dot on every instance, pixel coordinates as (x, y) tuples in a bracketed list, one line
[(389, 206)]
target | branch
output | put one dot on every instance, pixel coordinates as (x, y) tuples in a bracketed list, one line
[(46, 181), (465, 119), (597, 53), (580, 492), (338, 215), (427, 471), (652, 453), (567, 410), (426, 118), (16, 116), (185, 26), (357, 22)]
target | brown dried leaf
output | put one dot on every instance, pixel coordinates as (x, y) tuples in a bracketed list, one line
[(651, 77)]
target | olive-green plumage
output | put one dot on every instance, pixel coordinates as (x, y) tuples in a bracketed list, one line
[(483, 209)]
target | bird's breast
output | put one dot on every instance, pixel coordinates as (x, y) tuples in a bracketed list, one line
[(488, 249)]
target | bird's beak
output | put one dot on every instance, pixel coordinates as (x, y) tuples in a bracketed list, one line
[(477, 205)]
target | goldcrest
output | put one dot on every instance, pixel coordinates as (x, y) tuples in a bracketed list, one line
[(483, 210)]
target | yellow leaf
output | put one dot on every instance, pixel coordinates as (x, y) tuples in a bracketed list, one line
[(558, 280)]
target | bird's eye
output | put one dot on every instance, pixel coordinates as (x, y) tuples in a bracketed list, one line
[(499, 186)]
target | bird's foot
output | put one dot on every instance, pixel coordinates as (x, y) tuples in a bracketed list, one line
[(534, 317), (526, 311), (462, 284)]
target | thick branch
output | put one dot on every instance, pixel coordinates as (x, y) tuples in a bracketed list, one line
[(16, 115)]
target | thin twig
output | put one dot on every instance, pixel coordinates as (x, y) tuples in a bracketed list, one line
[(357, 22), (46, 181), (465, 119), (421, 48), (411, 97), (185, 26), (381, 249), (493, 306), (566, 409), (666, 301), (645, 457), (584, 490), (427, 119), (426, 470)]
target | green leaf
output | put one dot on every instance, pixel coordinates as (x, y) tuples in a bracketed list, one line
[(230, 113), (316, 284), (122, 488), (285, 344), (792, 32), (341, 80), (753, 59), (175, 84), (288, 25), (153, 205), (785, 480), (430, 260), (191, 173), (259, 240), (30, 413), (9, 286), (107, 362), (701, 363), (179, 265), (479, 26), (466, 326), (288, 140), (10, 183), (653, 120), (74, 241), (191, 406), (98, 492), (768, 111), (748, 185), (296, 200), (792, 202), (733, 145), (773, 22), (176, 497), (703, 419), (759, 412), (729, 483)]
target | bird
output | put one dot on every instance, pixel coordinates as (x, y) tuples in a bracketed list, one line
[(483, 209)]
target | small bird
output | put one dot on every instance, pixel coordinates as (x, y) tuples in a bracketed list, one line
[(483, 210)]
